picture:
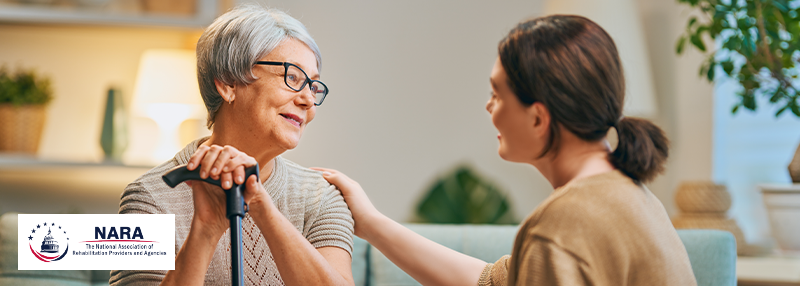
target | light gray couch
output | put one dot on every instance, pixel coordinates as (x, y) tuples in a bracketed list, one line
[(712, 253)]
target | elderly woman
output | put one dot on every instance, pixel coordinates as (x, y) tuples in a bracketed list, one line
[(557, 89), (258, 71)]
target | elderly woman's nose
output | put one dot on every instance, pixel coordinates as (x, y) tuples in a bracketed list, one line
[(305, 97)]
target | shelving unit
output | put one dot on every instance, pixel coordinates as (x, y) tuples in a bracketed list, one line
[(29, 185), (39, 14)]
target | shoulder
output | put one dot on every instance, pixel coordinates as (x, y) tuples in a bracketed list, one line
[(591, 207), (151, 180), (303, 177), (594, 198), (142, 195)]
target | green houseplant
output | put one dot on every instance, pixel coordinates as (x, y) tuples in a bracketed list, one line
[(23, 96), (463, 197), (758, 45)]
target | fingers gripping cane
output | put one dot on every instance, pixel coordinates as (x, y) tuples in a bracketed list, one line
[(236, 208)]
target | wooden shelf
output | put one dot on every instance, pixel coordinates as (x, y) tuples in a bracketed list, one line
[(768, 271), (29, 185), (11, 13)]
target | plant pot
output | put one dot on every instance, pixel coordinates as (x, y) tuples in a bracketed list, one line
[(21, 128), (794, 166), (783, 208)]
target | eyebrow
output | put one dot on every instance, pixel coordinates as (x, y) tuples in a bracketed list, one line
[(314, 76)]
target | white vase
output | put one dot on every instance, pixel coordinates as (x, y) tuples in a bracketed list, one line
[(783, 208)]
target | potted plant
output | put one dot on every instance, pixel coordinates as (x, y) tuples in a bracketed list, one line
[(760, 48), (23, 96), (463, 197)]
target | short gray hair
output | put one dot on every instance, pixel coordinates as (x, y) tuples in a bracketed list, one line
[(231, 45)]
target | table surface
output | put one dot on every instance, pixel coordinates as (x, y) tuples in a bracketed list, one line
[(768, 271)]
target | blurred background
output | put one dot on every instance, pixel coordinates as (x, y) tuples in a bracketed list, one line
[(409, 83)]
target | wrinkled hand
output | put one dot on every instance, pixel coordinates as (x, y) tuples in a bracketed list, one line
[(355, 197), (226, 164)]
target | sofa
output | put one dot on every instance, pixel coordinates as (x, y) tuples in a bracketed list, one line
[(712, 253)]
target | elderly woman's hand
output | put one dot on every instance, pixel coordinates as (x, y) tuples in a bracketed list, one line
[(226, 164)]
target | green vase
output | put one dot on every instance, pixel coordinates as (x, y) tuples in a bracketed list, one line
[(114, 136)]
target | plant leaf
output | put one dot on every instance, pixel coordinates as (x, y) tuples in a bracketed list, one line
[(727, 66), (710, 73), (679, 46), (697, 42)]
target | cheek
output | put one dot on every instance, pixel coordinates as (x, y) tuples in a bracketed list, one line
[(312, 112)]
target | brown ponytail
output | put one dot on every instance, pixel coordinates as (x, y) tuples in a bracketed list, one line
[(642, 149), (571, 65)]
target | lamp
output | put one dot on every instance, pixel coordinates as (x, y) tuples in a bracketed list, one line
[(167, 92), (621, 20)]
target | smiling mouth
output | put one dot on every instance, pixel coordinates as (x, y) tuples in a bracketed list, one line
[(293, 119)]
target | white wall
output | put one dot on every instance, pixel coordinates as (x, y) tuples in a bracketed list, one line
[(409, 80)]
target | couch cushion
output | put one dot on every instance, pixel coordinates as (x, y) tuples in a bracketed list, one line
[(468, 239), (713, 256), (359, 266)]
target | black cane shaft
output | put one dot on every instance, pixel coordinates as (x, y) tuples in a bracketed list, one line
[(235, 210), (237, 271)]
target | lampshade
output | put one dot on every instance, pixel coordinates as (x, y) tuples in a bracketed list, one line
[(167, 92), (620, 19), (167, 76)]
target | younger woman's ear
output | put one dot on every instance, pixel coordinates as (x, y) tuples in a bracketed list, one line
[(226, 91), (539, 118)]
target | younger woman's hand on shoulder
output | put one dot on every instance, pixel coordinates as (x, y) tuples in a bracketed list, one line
[(364, 213)]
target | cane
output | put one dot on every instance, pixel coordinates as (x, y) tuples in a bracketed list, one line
[(235, 211)]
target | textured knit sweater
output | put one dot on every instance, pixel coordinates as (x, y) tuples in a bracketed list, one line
[(303, 196), (601, 230)]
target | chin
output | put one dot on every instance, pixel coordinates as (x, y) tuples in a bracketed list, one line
[(509, 156)]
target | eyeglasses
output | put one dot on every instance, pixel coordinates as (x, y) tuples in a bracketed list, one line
[(296, 79)]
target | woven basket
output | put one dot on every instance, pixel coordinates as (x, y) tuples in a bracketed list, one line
[(703, 205), (21, 128), (702, 196)]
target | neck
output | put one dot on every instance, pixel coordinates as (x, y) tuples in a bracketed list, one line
[(263, 153), (575, 159)]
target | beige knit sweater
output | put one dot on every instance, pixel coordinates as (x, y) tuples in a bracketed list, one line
[(315, 207), (601, 230)]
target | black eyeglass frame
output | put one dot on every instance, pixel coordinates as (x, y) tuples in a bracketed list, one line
[(308, 81)]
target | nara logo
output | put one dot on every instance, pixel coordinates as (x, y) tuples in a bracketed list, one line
[(48, 242)]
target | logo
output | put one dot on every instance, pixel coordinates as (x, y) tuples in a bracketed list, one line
[(96, 241), (48, 242)]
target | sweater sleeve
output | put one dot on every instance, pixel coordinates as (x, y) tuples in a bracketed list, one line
[(333, 224), (542, 262), (137, 200), (495, 274)]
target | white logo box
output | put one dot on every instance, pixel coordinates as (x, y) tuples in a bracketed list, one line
[(96, 241)]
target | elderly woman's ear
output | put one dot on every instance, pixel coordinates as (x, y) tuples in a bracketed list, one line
[(226, 91)]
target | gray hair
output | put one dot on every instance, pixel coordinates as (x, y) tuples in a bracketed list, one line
[(231, 45)]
